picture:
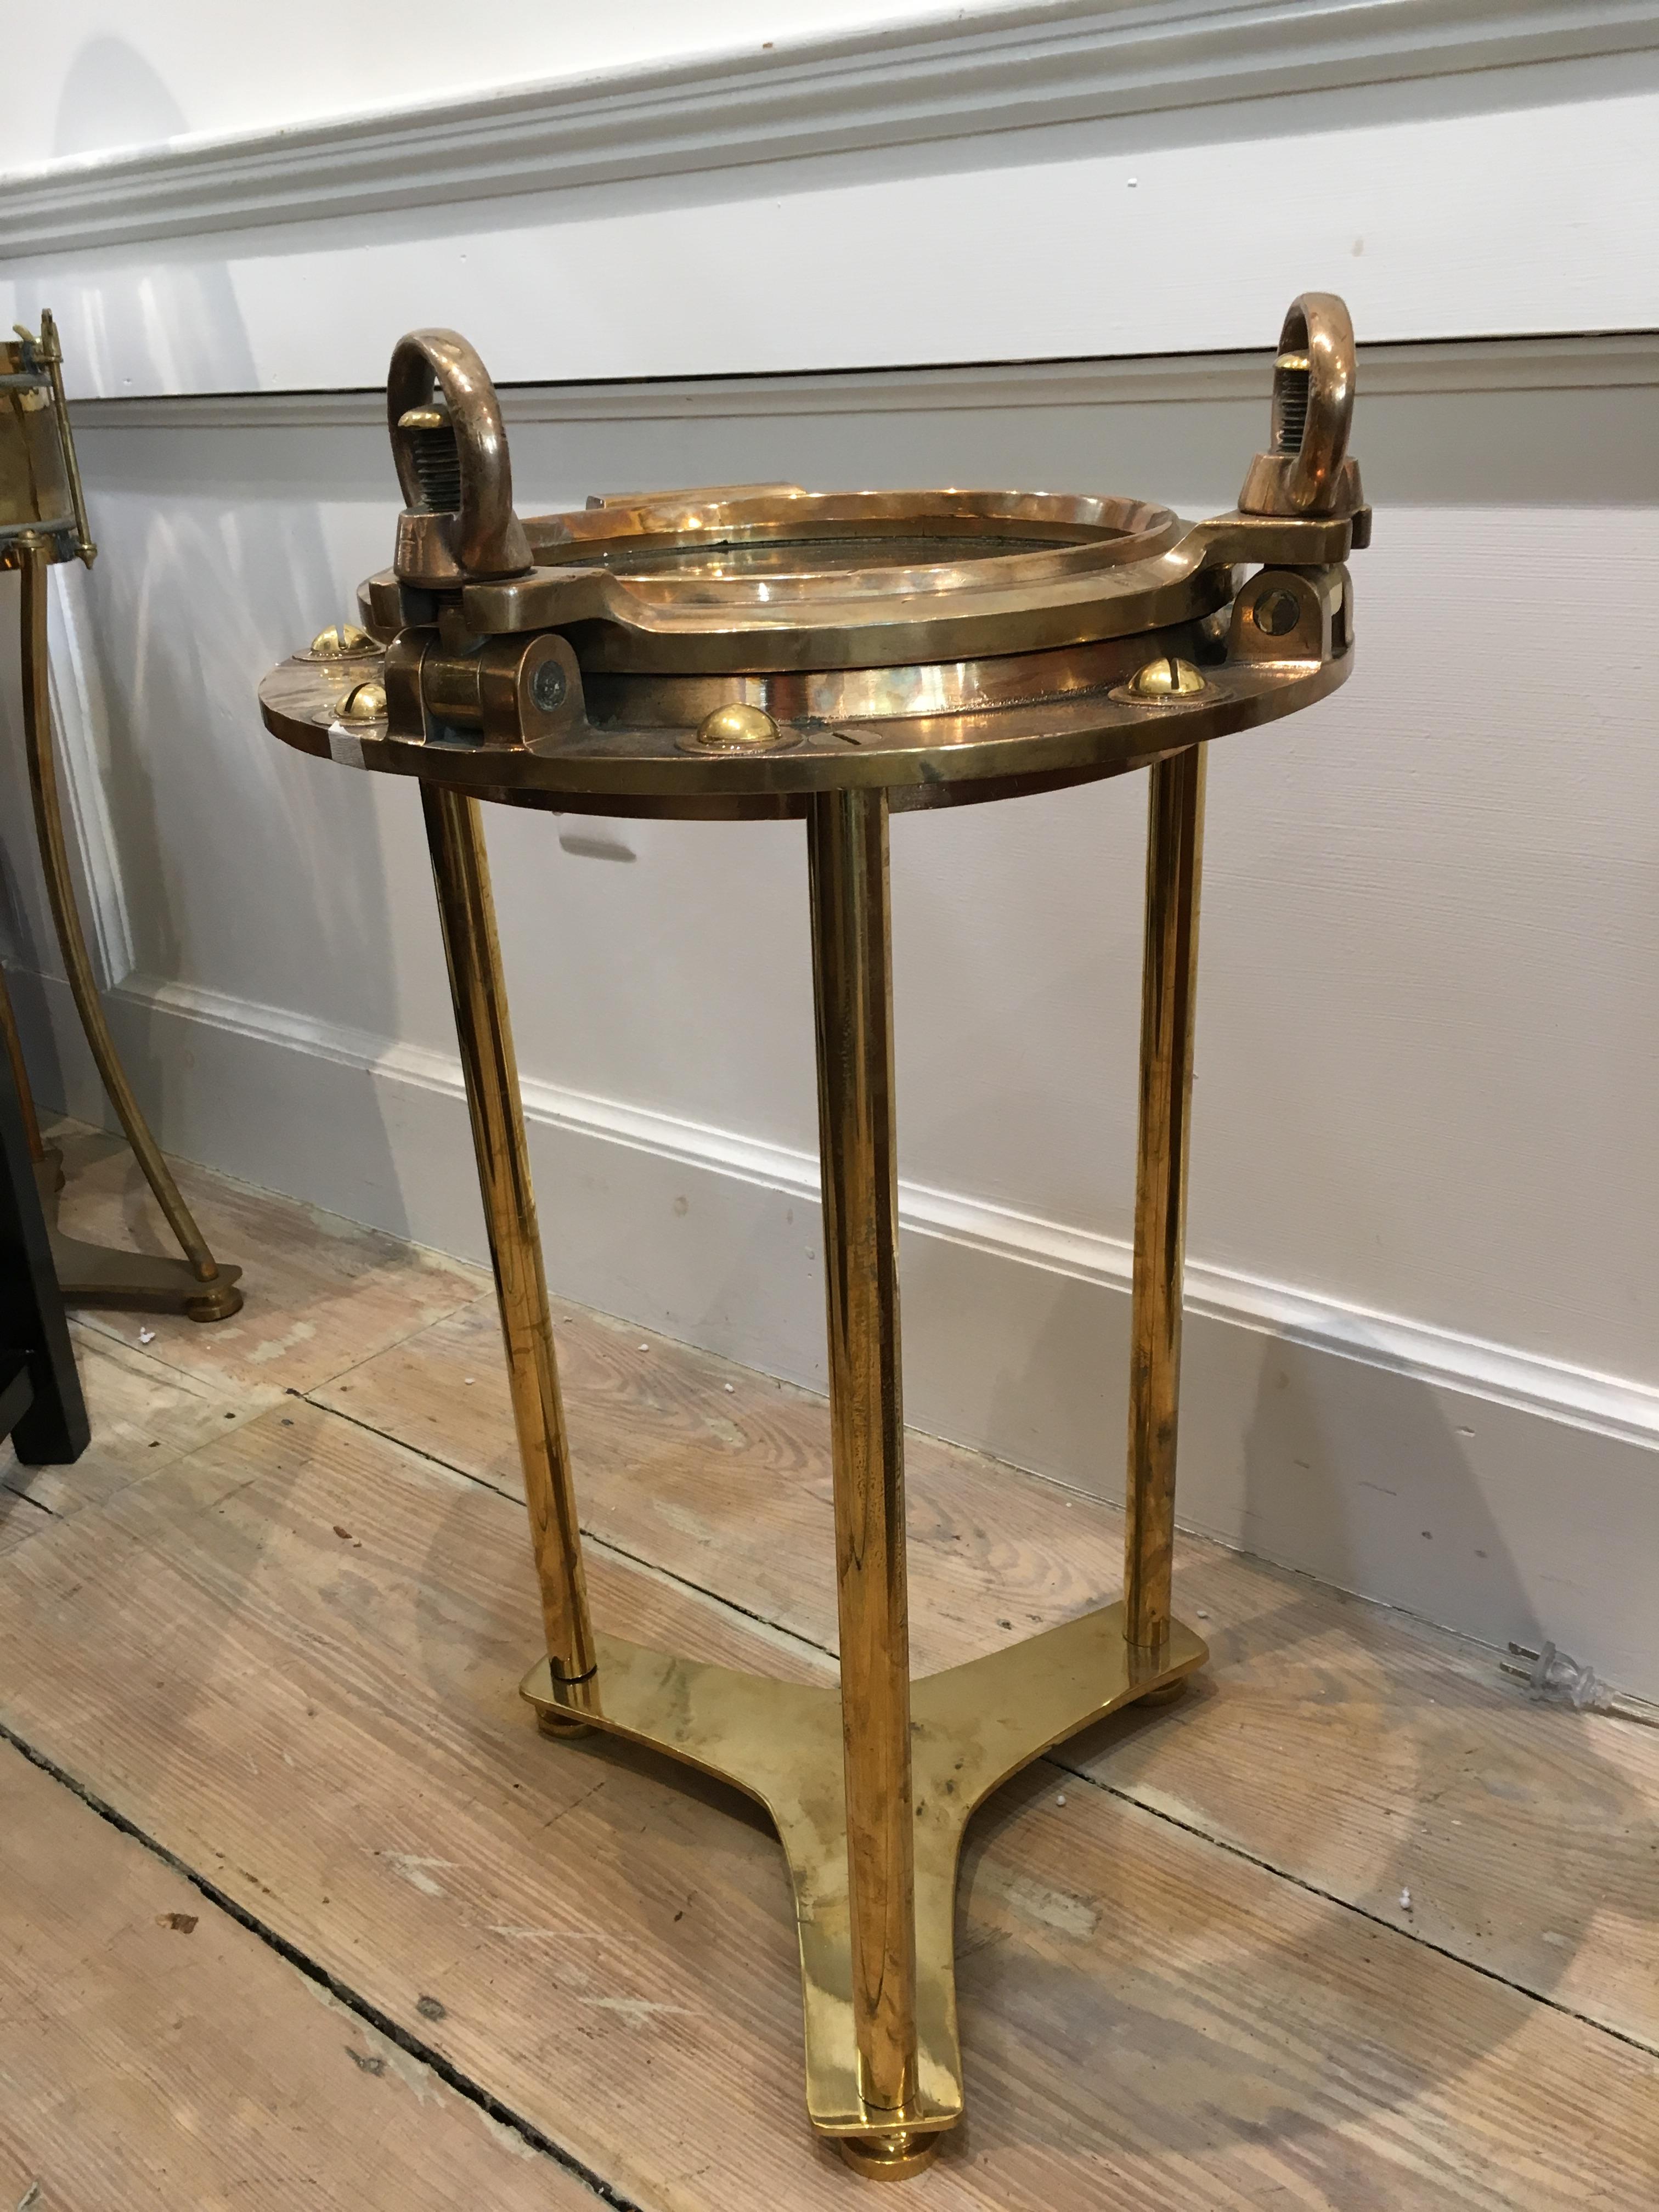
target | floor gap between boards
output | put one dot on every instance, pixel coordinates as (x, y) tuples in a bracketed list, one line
[(462, 2084)]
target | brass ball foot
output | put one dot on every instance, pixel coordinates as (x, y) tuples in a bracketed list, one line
[(556, 1725), (216, 1302), (892, 2157)]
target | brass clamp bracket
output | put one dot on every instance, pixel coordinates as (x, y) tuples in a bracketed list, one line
[(41, 493), (1284, 614), (515, 691)]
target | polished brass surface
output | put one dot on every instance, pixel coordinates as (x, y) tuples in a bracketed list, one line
[(894, 2156), (504, 691), (1040, 742), (737, 728), (40, 490), (197, 1284), (1175, 839), (1167, 1693), (760, 586), (453, 463), (853, 996), (759, 651), (1169, 677), (922, 642), (460, 873), (339, 641), (971, 1727), (364, 702)]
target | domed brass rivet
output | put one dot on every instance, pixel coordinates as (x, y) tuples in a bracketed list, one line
[(339, 640), (737, 729), (1166, 677), (365, 703)]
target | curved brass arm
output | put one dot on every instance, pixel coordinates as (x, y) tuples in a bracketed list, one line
[(217, 1298), (478, 535), (1308, 472)]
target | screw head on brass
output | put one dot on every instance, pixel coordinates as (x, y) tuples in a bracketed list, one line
[(1166, 677), (1276, 613), (339, 641), (548, 686), (364, 702), (736, 729)]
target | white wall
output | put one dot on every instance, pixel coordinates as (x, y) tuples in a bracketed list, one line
[(1424, 1175), (102, 78)]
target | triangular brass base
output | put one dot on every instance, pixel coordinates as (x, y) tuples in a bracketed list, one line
[(971, 1727)]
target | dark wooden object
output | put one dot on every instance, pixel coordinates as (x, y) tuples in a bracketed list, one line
[(41, 1407)]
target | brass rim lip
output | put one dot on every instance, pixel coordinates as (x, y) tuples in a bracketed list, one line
[(646, 772), (1100, 567), (637, 635), (787, 738), (1113, 529), (817, 699)]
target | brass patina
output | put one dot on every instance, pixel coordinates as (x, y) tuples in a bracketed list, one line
[(762, 650), (43, 520)]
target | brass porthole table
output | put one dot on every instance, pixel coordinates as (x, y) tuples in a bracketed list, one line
[(756, 652)]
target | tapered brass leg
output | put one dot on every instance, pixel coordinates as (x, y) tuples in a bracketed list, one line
[(460, 872), (201, 1287), (1175, 835), (852, 970)]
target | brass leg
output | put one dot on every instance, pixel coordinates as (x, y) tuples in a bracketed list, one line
[(205, 1290), (872, 1788), (460, 872), (1174, 855), (852, 971)]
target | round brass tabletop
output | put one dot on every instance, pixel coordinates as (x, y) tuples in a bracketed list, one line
[(730, 652)]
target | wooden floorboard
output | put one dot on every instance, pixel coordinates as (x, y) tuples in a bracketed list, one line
[(1386, 1762), (292, 1658), (321, 1292), (1355, 1927), (153, 2053), (143, 1415)]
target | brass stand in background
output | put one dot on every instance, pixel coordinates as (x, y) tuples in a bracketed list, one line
[(765, 653), (43, 520)]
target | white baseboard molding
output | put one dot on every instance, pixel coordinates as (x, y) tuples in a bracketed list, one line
[(1496, 1491)]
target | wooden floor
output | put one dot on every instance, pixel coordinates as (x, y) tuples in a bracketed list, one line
[(297, 1907)]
